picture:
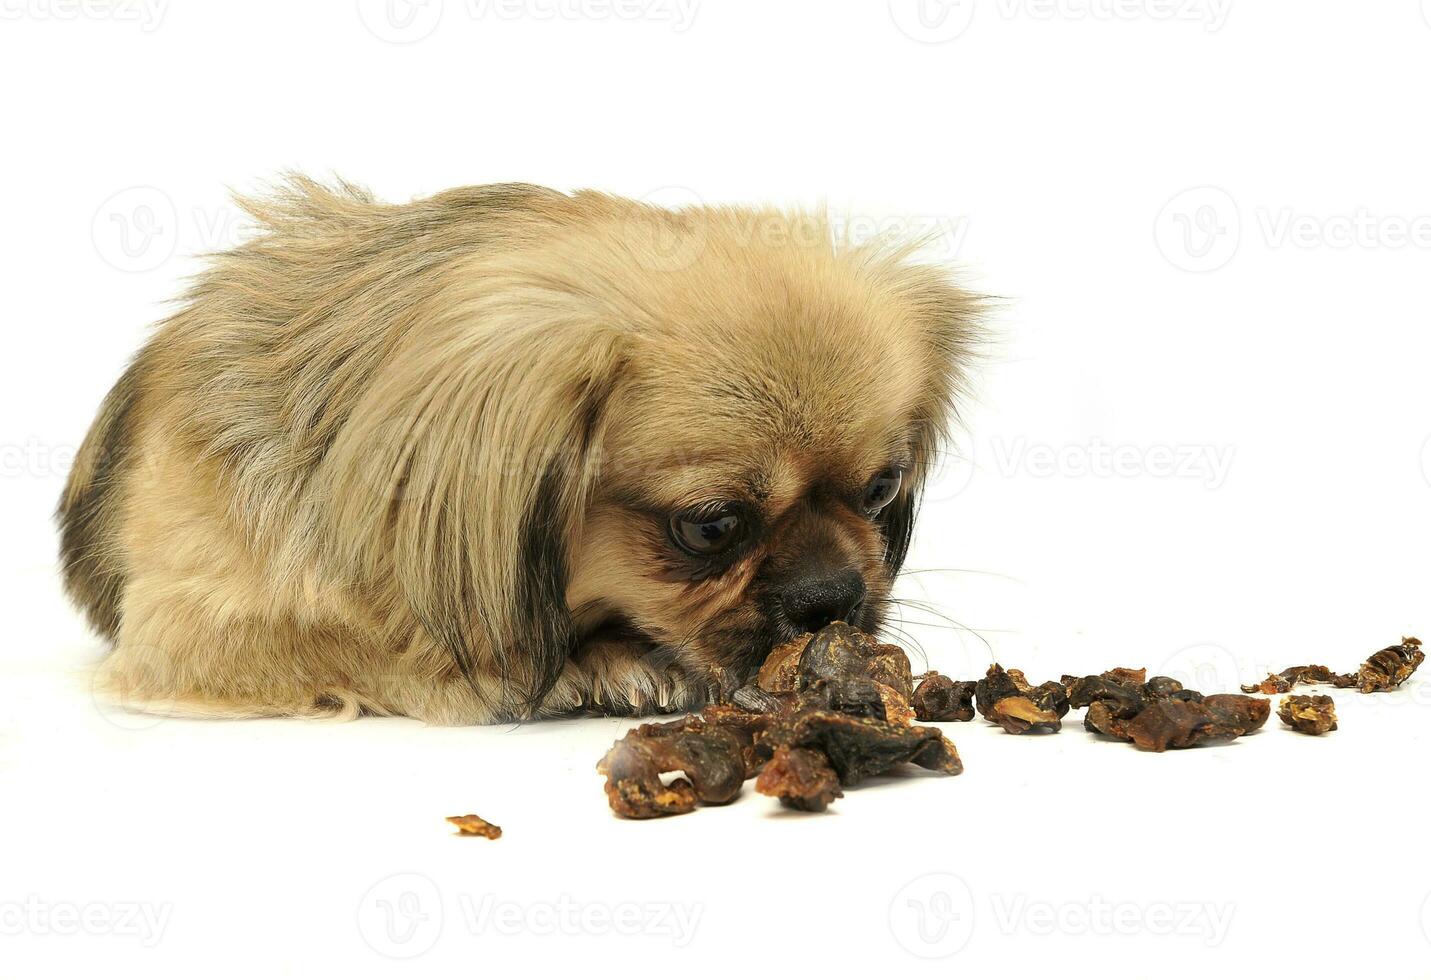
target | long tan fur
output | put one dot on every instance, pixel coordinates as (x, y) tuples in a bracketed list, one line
[(416, 459)]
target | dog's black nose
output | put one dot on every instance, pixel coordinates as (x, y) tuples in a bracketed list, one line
[(818, 600)]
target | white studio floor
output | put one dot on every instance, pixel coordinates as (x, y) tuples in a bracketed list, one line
[(141, 843)]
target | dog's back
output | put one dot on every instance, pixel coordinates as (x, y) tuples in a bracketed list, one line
[(89, 510), (270, 284)]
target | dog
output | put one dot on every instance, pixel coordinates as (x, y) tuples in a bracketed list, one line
[(508, 453)]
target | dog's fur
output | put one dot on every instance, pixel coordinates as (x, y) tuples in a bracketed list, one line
[(420, 459)]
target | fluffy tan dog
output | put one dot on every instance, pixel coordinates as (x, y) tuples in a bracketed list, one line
[(506, 453)]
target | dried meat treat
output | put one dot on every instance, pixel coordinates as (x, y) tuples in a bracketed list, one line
[(838, 650), (897, 708), (471, 825), (754, 698), (1162, 688), (996, 684), (744, 726), (711, 761), (801, 778), (1108, 718), (858, 696), (1085, 691), (1166, 725), (1238, 711), (1050, 696), (937, 698), (1281, 683), (727, 716), (1019, 715), (890, 666), (860, 747), (1313, 714), (827, 710), (782, 667), (1127, 675), (1386, 669), (1175, 724), (1006, 698), (1179, 719)]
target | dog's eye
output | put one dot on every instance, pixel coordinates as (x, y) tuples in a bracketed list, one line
[(706, 533), (881, 491)]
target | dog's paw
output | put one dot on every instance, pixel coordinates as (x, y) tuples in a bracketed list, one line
[(627, 681)]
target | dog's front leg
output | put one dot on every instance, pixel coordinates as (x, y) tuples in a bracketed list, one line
[(627, 677)]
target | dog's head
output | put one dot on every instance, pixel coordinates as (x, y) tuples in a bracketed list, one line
[(707, 431)]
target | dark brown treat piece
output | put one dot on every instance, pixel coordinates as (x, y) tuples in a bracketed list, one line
[(937, 698), (1161, 688), (1127, 676), (1104, 717), (753, 698), (1284, 681), (838, 650), (1175, 724), (745, 726), (1386, 669), (857, 696), (1122, 700), (1121, 676), (712, 761), (471, 825), (1084, 691), (1050, 696), (1313, 714), (1019, 715), (996, 684), (819, 717), (890, 666), (1239, 711), (781, 668), (728, 716), (897, 709), (1029, 707), (858, 747), (1274, 684), (801, 778)]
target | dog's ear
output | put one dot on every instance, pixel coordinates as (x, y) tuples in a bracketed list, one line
[(947, 326), (468, 466), (897, 523)]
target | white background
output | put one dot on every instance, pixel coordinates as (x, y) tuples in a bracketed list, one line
[(1200, 445)]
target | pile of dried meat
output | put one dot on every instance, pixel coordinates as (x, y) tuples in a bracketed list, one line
[(1158, 713), (1313, 714), (1384, 670), (826, 712)]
